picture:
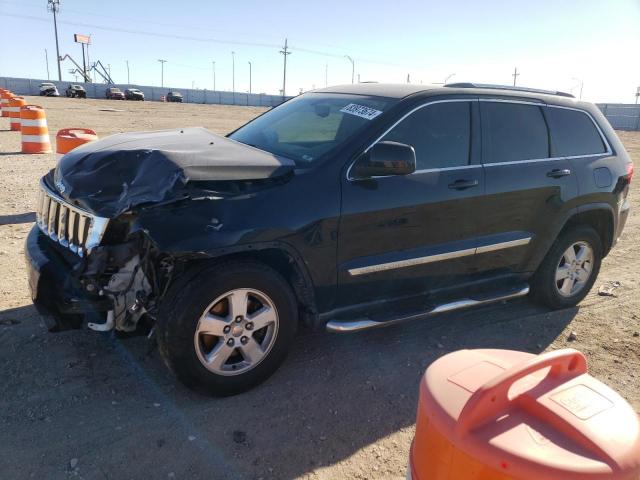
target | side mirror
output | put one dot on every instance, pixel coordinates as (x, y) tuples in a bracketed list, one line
[(385, 159)]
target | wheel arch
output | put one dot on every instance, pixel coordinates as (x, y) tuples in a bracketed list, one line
[(599, 216), (279, 256)]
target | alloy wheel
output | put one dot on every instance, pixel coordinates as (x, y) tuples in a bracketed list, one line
[(236, 331), (574, 269)]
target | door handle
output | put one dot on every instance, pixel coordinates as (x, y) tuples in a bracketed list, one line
[(559, 172), (463, 184)]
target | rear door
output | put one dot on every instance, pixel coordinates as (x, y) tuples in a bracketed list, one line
[(528, 188), (401, 235)]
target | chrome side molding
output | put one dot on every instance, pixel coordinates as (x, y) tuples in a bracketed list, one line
[(410, 262)]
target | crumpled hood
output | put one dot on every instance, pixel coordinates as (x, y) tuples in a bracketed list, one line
[(112, 175)]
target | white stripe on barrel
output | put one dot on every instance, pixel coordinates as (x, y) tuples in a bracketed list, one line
[(38, 122), (35, 138)]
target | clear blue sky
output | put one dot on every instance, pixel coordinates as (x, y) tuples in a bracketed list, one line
[(552, 43)]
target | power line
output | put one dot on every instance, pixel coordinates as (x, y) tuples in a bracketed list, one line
[(202, 39)]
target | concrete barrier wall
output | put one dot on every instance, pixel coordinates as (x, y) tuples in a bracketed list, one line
[(622, 116), (28, 86)]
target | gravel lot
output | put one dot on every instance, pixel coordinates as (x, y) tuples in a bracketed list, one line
[(85, 405)]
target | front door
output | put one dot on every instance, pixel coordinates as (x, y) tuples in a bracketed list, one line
[(402, 235)]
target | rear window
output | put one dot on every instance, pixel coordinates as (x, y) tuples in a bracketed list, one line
[(573, 133), (513, 132)]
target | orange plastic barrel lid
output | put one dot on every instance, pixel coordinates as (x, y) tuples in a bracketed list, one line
[(69, 138), (501, 414)]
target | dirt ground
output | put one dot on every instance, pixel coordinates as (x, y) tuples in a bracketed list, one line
[(85, 405)]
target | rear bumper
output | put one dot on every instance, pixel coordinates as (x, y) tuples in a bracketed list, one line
[(55, 289), (623, 215)]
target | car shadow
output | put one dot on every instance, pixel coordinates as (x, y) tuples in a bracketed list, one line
[(27, 217), (335, 395)]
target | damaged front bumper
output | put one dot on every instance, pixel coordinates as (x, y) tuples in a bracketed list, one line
[(56, 291)]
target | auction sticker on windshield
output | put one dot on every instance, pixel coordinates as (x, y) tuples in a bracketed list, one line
[(361, 111)]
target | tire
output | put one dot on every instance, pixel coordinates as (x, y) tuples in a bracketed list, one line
[(185, 348), (558, 294)]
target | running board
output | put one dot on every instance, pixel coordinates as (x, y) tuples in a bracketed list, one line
[(346, 326)]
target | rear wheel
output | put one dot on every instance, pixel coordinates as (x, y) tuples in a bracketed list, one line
[(570, 268), (227, 327)]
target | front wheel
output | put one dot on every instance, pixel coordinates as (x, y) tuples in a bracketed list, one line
[(227, 327), (570, 268)]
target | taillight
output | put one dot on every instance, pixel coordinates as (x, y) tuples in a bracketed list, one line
[(629, 171)]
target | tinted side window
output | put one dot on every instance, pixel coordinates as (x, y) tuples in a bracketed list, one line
[(439, 133), (573, 133), (513, 131)]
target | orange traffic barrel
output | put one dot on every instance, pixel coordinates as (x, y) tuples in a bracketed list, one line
[(5, 95), (505, 415), (15, 104), (33, 126), (69, 138)]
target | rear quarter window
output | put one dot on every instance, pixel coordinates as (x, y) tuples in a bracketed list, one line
[(573, 133), (513, 132)]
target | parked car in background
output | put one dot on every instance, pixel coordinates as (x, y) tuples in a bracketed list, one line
[(114, 93), (48, 89), (75, 91), (348, 208), (133, 94), (174, 97)]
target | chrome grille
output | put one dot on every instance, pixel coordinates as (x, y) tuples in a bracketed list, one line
[(75, 229)]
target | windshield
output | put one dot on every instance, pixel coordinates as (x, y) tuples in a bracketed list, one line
[(309, 126)]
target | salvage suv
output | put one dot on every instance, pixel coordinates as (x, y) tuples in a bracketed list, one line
[(346, 208)]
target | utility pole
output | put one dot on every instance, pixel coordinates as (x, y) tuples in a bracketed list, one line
[(233, 76), (213, 68), (285, 51), (249, 77), (128, 81), (46, 59), (514, 75), (408, 78), (353, 66), (637, 94), (54, 7), (162, 62)]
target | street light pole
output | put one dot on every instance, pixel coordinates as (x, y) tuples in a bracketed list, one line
[(249, 77), (213, 68), (54, 6), (581, 82), (233, 76), (128, 81), (162, 62), (46, 59), (448, 77), (353, 67)]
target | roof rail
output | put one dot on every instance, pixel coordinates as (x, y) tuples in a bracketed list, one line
[(507, 87)]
